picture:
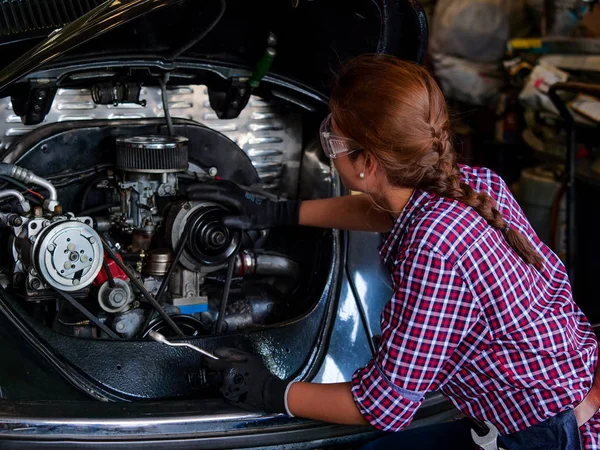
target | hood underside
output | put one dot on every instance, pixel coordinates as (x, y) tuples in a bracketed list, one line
[(312, 37)]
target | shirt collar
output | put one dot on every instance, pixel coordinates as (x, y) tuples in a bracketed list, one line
[(391, 240)]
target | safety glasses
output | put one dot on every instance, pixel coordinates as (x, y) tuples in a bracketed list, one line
[(335, 146)]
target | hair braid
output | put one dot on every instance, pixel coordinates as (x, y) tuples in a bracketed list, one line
[(402, 121), (449, 185)]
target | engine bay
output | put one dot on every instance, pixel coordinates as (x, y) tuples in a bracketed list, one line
[(119, 250)]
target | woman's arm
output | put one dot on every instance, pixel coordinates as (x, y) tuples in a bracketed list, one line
[(350, 212), (331, 403)]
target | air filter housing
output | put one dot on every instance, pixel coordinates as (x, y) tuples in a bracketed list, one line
[(152, 154)]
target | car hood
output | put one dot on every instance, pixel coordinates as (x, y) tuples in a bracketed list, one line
[(312, 37)]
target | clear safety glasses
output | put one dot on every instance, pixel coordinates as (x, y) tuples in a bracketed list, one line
[(335, 146)]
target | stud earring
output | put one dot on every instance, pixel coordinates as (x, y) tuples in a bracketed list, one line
[(361, 175)]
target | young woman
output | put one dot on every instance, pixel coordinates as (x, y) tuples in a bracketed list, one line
[(482, 310)]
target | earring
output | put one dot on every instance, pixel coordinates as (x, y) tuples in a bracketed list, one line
[(361, 175)]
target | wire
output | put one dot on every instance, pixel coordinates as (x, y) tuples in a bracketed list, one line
[(165, 101), (225, 297), (21, 186), (197, 39), (89, 171), (88, 189), (96, 209)]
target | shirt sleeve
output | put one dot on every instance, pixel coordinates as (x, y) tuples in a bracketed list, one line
[(427, 318)]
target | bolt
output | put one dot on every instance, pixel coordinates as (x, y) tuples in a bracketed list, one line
[(35, 283), (120, 327), (32, 272), (213, 171), (32, 239), (51, 248), (186, 206), (75, 282), (67, 265), (16, 221), (92, 240), (71, 247), (83, 258)]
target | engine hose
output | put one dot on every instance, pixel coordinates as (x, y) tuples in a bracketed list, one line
[(250, 263), (23, 203), (26, 176)]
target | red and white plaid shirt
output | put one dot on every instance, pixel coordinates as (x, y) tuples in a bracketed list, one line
[(501, 340)]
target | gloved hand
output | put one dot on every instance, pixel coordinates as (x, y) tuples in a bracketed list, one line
[(247, 383), (257, 210)]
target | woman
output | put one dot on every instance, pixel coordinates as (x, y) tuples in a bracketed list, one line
[(482, 310)]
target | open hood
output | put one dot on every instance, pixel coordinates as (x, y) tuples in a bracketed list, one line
[(312, 37)]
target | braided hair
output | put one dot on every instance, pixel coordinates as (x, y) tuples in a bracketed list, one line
[(397, 112)]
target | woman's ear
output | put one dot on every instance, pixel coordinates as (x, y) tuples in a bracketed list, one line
[(370, 165)]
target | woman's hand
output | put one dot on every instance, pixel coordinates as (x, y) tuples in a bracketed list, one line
[(247, 383), (256, 210)]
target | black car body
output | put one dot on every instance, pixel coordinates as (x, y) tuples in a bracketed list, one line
[(65, 102)]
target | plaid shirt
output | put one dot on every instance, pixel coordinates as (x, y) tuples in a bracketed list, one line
[(501, 340)]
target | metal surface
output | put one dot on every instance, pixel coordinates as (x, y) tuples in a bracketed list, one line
[(349, 347), (270, 135), (163, 340), (185, 284), (138, 284), (158, 262), (66, 254), (105, 17), (489, 440), (369, 279), (115, 299)]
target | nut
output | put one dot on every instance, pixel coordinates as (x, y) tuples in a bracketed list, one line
[(213, 171)]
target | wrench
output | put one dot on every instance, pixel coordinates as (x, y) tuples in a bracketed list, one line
[(488, 440), (163, 340)]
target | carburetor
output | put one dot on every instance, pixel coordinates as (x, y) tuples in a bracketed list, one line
[(62, 252), (146, 168)]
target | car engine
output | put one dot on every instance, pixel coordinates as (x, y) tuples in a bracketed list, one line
[(146, 258)]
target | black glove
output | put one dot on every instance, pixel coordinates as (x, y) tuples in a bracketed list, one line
[(257, 210), (247, 383)]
